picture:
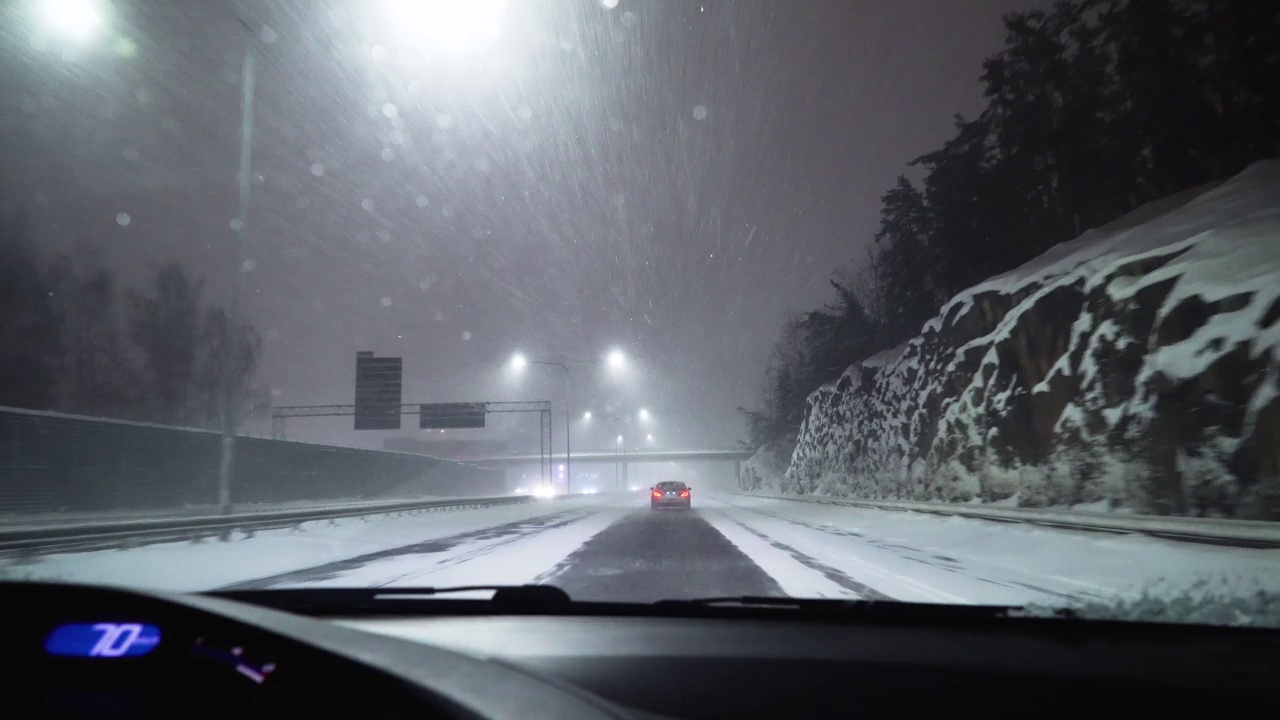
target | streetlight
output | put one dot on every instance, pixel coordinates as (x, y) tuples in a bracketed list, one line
[(624, 419), (586, 416), (449, 27), (76, 19), (615, 360)]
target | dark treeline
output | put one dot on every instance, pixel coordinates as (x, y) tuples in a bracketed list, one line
[(72, 341), (1094, 108)]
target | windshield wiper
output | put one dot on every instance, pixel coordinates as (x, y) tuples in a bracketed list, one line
[(551, 600), (339, 600), (844, 607), (765, 600)]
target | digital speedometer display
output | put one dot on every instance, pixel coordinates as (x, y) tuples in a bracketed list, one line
[(102, 640)]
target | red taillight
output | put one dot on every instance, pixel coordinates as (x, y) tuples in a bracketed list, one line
[(657, 494), (684, 493)]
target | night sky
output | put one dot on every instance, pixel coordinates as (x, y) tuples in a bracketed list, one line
[(669, 178)]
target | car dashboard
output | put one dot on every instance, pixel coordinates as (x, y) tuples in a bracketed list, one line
[(92, 652), (735, 668)]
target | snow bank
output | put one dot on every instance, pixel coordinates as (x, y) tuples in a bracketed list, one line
[(1134, 368), (764, 471)]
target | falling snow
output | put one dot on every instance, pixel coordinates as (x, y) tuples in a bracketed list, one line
[(550, 184)]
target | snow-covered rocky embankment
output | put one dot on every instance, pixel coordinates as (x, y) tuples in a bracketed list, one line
[(1134, 368), (764, 471)]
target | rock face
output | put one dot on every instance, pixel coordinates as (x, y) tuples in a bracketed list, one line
[(1134, 368)]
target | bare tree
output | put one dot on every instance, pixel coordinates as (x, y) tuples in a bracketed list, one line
[(165, 325)]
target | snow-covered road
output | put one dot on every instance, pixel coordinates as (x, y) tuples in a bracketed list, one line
[(615, 548)]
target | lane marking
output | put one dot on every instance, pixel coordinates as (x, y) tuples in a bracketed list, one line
[(796, 578), (863, 590)]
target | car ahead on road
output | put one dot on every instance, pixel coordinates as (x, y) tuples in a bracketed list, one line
[(669, 494)]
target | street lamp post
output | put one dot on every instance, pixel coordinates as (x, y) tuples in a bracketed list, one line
[(622, 469), (620, 444), (230, 404), (568, 425), (619, 449), (614, 359)]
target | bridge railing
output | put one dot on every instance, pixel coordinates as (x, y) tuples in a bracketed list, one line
[(51, 462), (636, 456)]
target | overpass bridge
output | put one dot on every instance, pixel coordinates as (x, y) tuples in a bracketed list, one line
[(621, 459), (642, 456)]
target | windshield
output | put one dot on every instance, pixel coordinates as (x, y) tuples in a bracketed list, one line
[(918, 301)]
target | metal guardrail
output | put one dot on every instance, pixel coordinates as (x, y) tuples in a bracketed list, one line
[(1208, 531), (46, 539)]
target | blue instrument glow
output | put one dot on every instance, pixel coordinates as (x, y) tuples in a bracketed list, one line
[(106, 640)]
